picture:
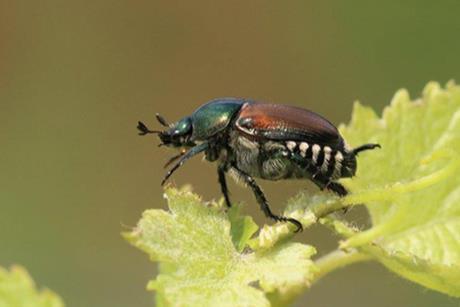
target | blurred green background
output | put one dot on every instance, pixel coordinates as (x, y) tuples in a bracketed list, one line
[(75, 76)]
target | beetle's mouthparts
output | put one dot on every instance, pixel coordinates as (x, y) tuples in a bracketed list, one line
[(143, 129)]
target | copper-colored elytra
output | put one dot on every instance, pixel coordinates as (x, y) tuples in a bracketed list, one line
[(274, 117)]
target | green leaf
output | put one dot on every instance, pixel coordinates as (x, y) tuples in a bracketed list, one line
[(305, 207), (201, 264), (18, 289), (411, 186), (242, 228)]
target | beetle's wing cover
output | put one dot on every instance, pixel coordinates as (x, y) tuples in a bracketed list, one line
[(282, 122)]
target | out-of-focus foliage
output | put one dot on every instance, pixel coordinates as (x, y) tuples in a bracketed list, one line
[(17, 289)]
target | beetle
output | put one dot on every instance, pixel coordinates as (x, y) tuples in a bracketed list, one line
[(250, 139)]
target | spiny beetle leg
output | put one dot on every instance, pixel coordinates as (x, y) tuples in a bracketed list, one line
[(337, 188), (174, 158), (322, 181), (290, 220), (264, 203), (189, 154), (325, 183), (364, 147), (223, 184)]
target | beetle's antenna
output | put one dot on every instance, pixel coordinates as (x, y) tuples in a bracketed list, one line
[(143, 130), (162, 120), (364, 147)]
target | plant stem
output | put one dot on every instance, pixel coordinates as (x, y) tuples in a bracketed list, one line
[(336, 260)]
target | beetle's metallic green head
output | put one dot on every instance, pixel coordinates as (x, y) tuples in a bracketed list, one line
[(176, 135)]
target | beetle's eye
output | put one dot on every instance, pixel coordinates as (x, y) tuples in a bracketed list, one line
[(182, 127)]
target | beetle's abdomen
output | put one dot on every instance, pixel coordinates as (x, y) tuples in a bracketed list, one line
[(275, 160), (322, 160)]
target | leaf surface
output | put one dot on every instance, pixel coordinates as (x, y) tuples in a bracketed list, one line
[(415, 210), (203, 265)]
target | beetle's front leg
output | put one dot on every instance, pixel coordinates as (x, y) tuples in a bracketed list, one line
[(213, 151), (192, 152), (223, 184), (263, 201)]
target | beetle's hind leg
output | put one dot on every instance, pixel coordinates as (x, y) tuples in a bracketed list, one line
[(337, 188), (365, 147), (324, 182), (333, 186), (263, 201)]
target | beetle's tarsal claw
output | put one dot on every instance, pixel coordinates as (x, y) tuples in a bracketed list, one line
[(296, 223), (143, 130), (365, 147)]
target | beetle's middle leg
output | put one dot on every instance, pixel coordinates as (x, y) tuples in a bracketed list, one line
[(263, 201), (221, 169)]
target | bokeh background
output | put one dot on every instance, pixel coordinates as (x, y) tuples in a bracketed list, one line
[(75, 76)]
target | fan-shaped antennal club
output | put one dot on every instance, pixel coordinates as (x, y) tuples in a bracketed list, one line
[(143, 129)]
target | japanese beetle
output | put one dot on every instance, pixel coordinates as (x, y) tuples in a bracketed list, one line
[(251, 139)]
